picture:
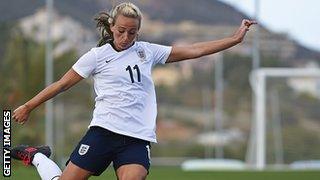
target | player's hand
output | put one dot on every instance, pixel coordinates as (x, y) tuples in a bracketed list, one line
[(21, 114), (244, 27)]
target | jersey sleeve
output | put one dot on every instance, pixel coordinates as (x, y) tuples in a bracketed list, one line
[(160, 53), (86, 64)]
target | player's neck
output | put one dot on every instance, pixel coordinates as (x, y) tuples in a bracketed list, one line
[(116, 49)]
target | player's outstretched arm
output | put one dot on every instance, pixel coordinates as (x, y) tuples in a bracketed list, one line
[(180, 53), (21, 114)]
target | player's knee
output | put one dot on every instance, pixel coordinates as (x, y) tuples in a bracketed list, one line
[(132, 175), (73, 172)]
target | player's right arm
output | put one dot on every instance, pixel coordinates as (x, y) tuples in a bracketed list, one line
[(21, 114)]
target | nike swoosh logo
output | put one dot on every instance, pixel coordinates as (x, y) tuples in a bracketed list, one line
[(107, 61)]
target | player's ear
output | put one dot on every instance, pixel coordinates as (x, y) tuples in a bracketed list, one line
[(112, 28)]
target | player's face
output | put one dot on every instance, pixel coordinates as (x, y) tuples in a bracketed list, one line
[(125, 30)]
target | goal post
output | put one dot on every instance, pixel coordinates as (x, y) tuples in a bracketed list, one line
[(258, 82)]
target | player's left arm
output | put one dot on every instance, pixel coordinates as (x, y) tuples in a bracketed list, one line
[(192, 51)]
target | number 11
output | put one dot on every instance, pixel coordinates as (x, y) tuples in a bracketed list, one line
[(136, 67)]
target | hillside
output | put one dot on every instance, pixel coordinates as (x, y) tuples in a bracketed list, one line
[(204, 11), (12, 11), (209, 12)]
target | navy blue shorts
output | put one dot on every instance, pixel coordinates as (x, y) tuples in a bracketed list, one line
[(99, 147)]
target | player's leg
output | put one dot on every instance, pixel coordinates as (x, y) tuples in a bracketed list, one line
[(37, 156), (74, 172), (132, 161), (131, 172)]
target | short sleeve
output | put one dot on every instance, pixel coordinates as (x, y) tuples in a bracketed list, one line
[(160, 53), (86, 64)]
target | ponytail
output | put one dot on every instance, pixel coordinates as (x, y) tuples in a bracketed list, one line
[(104, 21)]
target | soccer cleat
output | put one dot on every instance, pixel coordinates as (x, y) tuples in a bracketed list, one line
[(26, 153)]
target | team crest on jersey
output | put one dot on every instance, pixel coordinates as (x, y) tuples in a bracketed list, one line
[(83, 149), (141, 54)]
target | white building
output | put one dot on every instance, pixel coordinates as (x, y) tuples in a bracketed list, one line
[(69, 33)]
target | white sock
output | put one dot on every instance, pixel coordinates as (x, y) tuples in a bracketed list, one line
[(47, 169)]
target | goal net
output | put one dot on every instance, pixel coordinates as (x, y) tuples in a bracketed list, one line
[(286, 124)]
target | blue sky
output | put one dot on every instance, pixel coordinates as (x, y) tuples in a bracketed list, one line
[(299, 18)]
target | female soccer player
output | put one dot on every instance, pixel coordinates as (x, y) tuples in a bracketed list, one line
[(124, 118)]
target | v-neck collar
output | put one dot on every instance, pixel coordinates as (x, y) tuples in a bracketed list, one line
[(114, 48)]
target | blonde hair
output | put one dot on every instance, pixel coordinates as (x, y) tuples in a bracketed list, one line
[(106, 20)]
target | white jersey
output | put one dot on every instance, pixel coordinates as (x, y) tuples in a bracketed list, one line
[(126, 100)]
